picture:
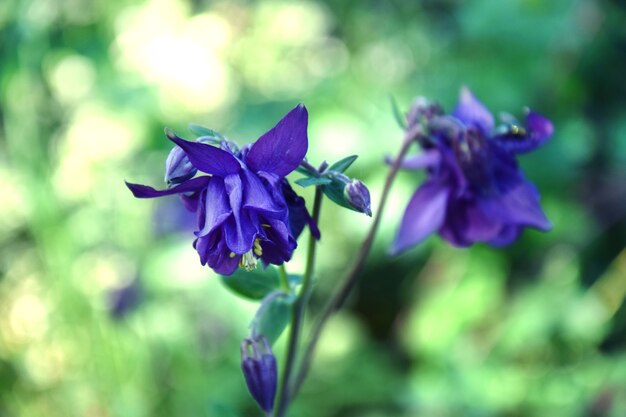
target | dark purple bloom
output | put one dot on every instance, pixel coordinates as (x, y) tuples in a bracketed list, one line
[(260, 371), (124, 299), (244, 206), (475, 190)]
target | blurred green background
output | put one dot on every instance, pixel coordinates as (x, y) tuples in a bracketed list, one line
[(86, 87)]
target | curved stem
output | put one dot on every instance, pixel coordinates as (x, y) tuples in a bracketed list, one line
[(340, 296), (298, 314)]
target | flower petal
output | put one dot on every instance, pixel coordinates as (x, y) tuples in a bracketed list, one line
[(298, 214), (213, 250), (207, 158), (278, 244), (424, 215), (507, 235), (257, 197), (479, 226), (424, 160), (519, 206), (538, 130), (283, 147), (472, 112), (144, 191), (216, 207), (240, 229)]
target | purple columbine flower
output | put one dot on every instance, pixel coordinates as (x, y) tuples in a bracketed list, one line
[(245, 207), (474, 190)]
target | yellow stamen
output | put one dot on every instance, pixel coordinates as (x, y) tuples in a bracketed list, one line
[(258, 250), (248, 261)]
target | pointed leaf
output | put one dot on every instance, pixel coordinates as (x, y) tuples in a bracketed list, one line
[(255, 284), (200, 131), (307, 182), (397, 113), (272, 316), (343, 164), (305, 171)]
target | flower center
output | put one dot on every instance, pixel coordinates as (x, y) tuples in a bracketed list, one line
[(248, 260)]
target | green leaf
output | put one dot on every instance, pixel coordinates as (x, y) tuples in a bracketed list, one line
[(255, 284), (343, 164), (272, 316), (307, 182), (204, 131), (397, 113), (304, 171)]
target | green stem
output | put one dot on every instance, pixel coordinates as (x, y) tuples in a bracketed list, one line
[(284, 278), (297, 318), (340, 296)]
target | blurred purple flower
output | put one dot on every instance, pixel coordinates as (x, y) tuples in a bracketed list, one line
[(474, 190), (245, 208), (124, 299)]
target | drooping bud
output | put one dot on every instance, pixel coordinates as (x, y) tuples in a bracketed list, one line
[(447, 128), (358, 196), (260, 371), (423, 110), (178, 168)]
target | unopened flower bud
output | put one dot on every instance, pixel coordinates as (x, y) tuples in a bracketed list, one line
[(358, 196), (178, 168), (259, 370), (122, 300), (423, 110)]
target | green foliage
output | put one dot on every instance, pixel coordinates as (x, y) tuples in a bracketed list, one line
[(272, 316), (343, 164), (255, 284), (536, 329), (307, 182)]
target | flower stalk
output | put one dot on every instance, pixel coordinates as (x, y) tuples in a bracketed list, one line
[(286, 391), (350, 280)]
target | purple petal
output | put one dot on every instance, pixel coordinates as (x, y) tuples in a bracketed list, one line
[(216, 207), (427, 159), (538, 130), (298, 214), (193, 185), (424, 215), (282, 148), (472, 112), (519, 206), (507, 235), (479, 226), (455, 224), (256, 196), (207, 158), (278, 244), (213, 250), (540, 127), (240, 229)]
